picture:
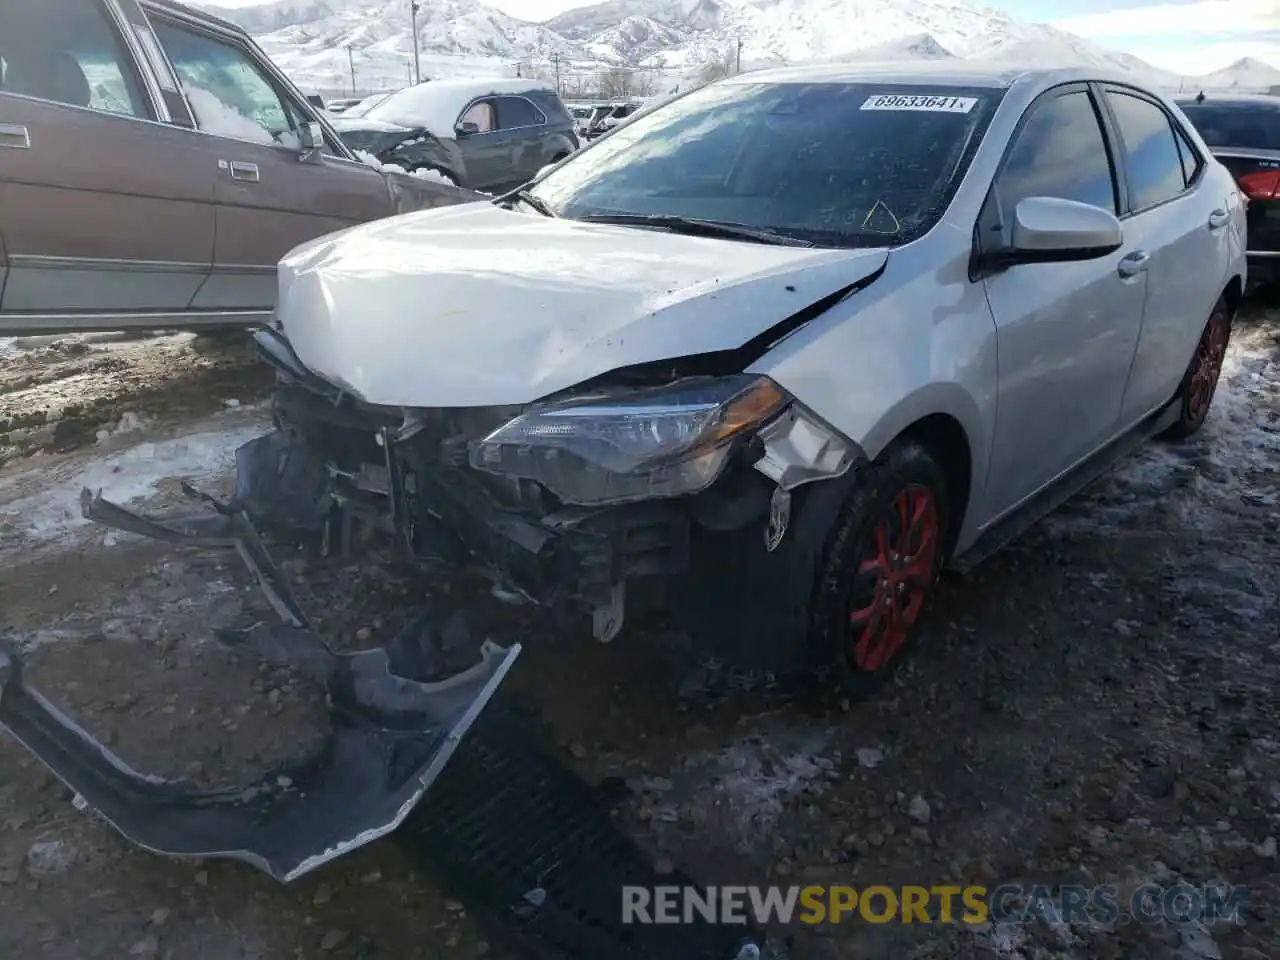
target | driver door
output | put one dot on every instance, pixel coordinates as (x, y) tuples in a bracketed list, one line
[(266, 200), (1067, 332)]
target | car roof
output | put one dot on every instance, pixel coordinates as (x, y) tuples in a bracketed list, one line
[(1255, 100), (943, 73)]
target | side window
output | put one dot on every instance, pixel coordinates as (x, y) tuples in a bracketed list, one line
[(230, 95), (1152, 163), (68, 51), (481, 114), (1191, 162), (518, 112), (1059, 152)]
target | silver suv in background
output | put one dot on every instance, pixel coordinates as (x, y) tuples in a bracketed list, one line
[(155, 166)]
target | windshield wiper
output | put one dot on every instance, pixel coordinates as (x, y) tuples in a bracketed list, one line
[(537, 204), (698, 226)]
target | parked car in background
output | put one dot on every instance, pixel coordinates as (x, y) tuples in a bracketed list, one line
[(365, 105), (609, 116), (490, 135), (1244, 134), (155, 166), (800, 338), (342, 104)]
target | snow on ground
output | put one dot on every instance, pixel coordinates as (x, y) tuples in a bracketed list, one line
[(1229, 464), (40, 504)]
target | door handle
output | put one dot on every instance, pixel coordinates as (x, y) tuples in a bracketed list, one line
[(1218, 219), (1134, 264), (244, 171), (14, 135)]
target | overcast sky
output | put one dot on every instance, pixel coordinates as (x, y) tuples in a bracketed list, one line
[(1192, 36)]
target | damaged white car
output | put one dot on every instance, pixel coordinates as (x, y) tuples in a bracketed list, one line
[(767, 358)]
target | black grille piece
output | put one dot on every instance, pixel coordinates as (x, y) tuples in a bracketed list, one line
[(532, 849)]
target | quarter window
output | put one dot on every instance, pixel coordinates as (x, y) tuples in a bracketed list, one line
[(481, 114), (1153, 165), (1190, 156), (518, 112), (68, 51), (1059, 152), (230, 95)]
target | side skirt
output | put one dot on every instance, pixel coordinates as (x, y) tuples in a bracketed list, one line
[(1004, 531)]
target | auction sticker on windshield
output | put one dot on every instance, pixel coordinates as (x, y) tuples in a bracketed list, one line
[(933, 104)]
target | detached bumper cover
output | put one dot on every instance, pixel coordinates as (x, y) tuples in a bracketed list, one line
[(391, 734)]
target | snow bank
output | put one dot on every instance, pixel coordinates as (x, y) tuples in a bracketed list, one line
[(436, 104), (421, 174)]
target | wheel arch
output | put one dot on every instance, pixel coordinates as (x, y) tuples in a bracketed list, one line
[(1234, 292), (947, 421)]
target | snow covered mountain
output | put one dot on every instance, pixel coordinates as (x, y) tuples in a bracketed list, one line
[(1246, 74), (322, 42)]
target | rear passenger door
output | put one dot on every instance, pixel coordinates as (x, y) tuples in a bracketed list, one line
[(1066, 331), (524, 127), (1184, 228), (106, 209), (268, 200)]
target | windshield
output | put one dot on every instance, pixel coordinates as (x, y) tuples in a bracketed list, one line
[(835, 164), (364, 106), (1244, 126)]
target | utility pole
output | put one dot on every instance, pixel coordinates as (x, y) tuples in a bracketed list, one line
[(413, 28), (738, 62), (351, 62), (555, 59)]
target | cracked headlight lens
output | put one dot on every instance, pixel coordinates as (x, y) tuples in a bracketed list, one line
[(635, 445)]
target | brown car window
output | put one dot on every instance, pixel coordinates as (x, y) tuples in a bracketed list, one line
[(230, 95), (68, 51), (481, 114)]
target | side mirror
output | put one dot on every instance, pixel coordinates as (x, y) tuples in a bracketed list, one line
[(311, 139), (467, 128), (1051, 230)]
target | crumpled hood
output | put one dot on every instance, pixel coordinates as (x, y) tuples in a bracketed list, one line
[(475, 305), (373, 136)]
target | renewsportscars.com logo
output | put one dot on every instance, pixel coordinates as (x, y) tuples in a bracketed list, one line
[(941, 903)]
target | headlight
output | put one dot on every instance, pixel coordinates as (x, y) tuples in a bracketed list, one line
[(662, 442)]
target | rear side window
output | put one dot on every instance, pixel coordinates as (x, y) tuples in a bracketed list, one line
[(1153, 165), (1059, 152), (1244, 126), (518, 112), (68, 51)]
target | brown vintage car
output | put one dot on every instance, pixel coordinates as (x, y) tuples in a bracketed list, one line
[(155, 166)]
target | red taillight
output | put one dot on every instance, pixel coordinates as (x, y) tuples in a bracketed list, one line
[(1262, 185)]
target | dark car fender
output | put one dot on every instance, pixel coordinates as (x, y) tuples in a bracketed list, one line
[(428, 151), (409, 193)]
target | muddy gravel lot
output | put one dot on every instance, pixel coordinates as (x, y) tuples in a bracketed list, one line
[(1096, 705)]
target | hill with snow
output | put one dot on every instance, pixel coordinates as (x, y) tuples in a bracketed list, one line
[(320, 43)]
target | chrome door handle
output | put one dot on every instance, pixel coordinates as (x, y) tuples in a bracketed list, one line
[(1218, 219), (1134, 264), (14, 135), (247, 172)]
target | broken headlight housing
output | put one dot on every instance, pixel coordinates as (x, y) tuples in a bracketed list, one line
[(635, 445)]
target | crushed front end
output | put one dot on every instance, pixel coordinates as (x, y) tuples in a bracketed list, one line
[(644, 488)]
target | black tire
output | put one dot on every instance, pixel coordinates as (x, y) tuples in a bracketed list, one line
[(1200, 382), (845, 617)]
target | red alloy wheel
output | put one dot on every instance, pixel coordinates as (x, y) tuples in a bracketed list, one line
[(893, 580), (1208, 363)]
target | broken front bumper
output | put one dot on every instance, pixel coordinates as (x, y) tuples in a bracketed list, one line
[(396, 721)]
